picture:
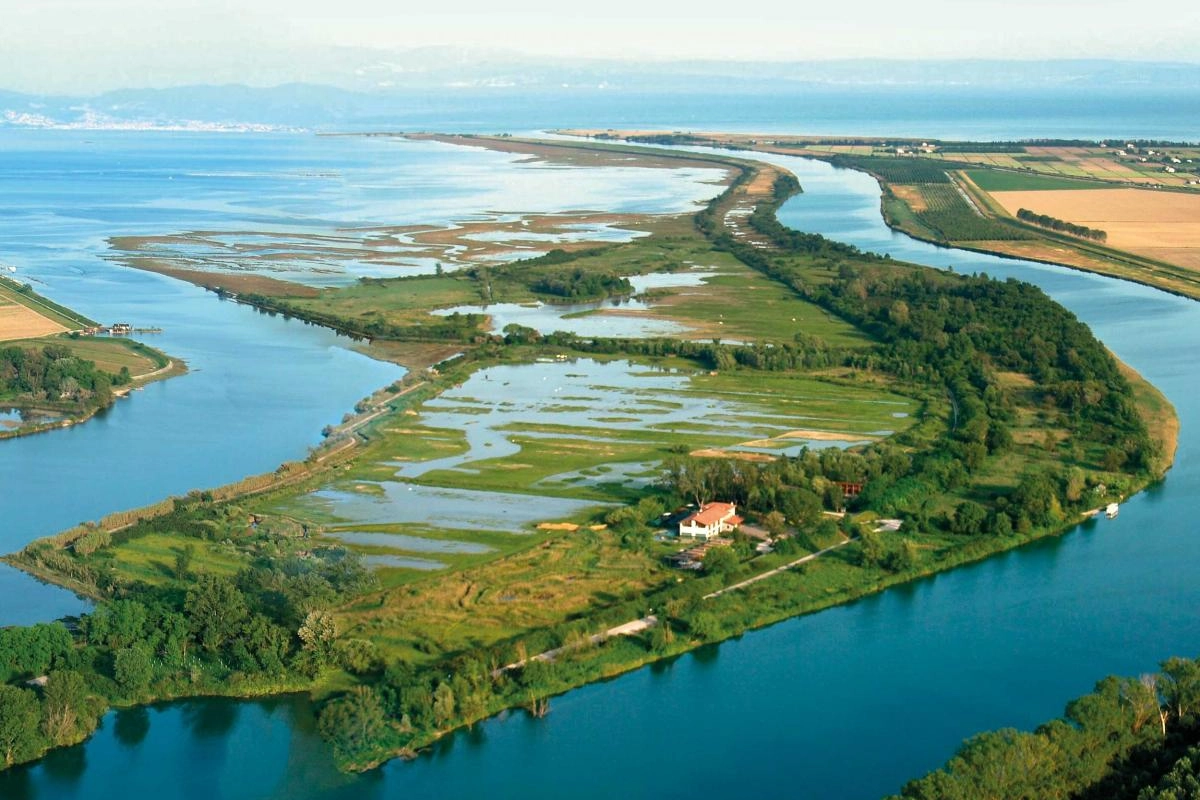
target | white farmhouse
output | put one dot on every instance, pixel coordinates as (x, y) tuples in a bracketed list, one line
[(710, 521)]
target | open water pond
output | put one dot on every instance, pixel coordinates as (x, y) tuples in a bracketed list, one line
[(14, 419), (615, 400), (581, 319), (634, 319), (402, 541), (434, 506)]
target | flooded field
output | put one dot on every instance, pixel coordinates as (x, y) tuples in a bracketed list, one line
[(628, 317), (515, 446), (418, 207)]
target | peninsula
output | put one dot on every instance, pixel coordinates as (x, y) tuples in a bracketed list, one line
[(766, 423), (55, 370)]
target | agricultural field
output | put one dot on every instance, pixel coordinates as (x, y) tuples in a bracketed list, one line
[(930, 204), (1160, 225), (22, 316), (949, 214), (25, 314), (991, 180)]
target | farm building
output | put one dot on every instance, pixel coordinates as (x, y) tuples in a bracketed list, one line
[(710, 521)]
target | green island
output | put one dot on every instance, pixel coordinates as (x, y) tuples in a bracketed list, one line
[(457, 548), (1130, 739), (55, 372)]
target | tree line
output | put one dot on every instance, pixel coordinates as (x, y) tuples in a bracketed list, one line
[(53, 374), (1130, 739), (267, 628), (1055, 224)]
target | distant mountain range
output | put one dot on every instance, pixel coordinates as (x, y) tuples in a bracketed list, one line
[(364, 88)]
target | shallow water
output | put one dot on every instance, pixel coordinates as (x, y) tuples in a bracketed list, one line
[(435, 506), (260, 388), (590, 319), (548, 318), (891, 683), (401, 541)]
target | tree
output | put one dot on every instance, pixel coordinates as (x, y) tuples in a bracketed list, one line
[(216, 609), (360, 656), (661, 636), (127, 623), (705, 625), (133, 668), (65, 707), (19, 718), (720, 561), (775, 523), (319, 632), (444, 704), (969, 518), (903, 557), (1181, 686), (32, 651), (871, 549), (354, 720), (183, 561)]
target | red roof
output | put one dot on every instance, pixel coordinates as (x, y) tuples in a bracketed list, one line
[(712, 513)]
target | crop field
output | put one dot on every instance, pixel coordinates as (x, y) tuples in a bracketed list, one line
[(899, 170), (1155, 224), (947, 213), (1110, 164), (22, 322), (991, 180), (22, 317)]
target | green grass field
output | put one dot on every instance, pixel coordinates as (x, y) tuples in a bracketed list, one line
[(991, 180), (742, 305), (151, 558)]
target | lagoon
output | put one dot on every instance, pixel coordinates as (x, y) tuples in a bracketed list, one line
[(847, 703)]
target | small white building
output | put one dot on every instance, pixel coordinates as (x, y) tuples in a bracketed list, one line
[(710, 521)]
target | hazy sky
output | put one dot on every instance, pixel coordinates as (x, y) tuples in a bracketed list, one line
[(87, 45)]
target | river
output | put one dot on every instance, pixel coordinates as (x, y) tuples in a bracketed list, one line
[(847, 703)]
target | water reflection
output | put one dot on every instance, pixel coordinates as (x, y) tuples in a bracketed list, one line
[(131, 725), (210, 719)]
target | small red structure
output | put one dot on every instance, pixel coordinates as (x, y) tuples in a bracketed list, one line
[(849, 488)]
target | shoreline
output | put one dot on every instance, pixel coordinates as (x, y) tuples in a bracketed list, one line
[(602, 671), (1130, 267)]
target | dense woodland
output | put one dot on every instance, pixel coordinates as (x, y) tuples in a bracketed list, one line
[(51, 375), (1131, 739), (266, 629)]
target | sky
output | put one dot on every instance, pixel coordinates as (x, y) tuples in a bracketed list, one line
[(82, 46)]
